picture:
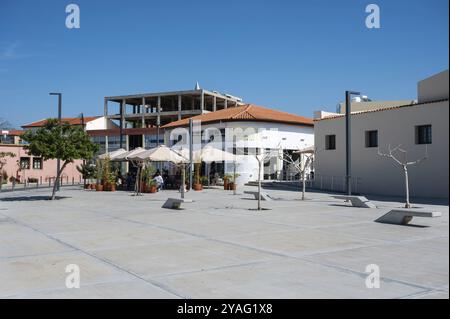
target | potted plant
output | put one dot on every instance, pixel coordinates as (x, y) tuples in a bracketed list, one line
[(99, 174), (197, 186), (227, 180), (87, 171), (112, 181), (147, 177), (152, 187), (232, 184)]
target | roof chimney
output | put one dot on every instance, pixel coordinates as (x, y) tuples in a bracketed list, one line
[(197, 86)]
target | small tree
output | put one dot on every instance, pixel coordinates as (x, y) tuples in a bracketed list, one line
[(404, 164), (3, 162), (59, 141), (87, 170), (301, 165)]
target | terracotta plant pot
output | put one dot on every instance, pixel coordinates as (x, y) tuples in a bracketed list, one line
[(87, 186), (106, 187), (152, 189), (225, 184), (144, 188), (232, 186), (197, 187), (112, 187), (99, 188)]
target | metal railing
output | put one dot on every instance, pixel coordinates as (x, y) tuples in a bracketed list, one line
[(40, 182)]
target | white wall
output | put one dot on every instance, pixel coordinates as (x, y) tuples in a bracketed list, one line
[(433, 88), (378, 175), (267, 136), (102, 123)]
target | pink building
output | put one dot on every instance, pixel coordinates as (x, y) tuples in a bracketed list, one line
[(28, 168)]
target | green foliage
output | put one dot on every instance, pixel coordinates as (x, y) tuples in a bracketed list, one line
[(59, 141), (147, 173), (86, 170), (204, 180)]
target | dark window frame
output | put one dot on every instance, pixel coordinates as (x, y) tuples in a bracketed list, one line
[(330, 142), (371, 141), (40, 161), (424, 134)]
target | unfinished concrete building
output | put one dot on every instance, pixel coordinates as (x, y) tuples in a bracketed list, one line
[(140, 116)]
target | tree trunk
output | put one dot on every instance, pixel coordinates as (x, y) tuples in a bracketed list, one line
[(56, 184), (1, 180), (407, 204), (304, 185)]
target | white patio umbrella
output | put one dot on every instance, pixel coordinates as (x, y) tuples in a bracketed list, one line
[(112, 154), (161, 153), (128, 155)]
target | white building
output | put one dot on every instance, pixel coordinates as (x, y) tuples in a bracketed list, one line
[(415, 126), (247, 130)]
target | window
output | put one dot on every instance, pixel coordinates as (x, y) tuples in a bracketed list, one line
[(37, 163), (24, 162), (423, 134), (371, 138), (330, 142)]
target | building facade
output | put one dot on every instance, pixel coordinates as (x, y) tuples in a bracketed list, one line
[(246, 131), (420, 128)]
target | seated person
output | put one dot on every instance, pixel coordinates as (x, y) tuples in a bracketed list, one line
[(159, 181)]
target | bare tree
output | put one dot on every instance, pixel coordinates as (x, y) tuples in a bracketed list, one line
[(301, 165), (404, 164)]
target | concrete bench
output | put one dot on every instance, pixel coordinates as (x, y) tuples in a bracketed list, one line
[(357, 201), (175, 203), (264, 196), (402, 216)]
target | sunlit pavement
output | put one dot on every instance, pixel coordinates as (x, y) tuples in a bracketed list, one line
[(216, 247)]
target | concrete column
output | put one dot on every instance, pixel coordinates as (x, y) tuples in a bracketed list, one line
[(122, 120), (143, 113), (179, 107), (202, 101), (105, 107), (226, 103), (214, 103), (106, 144), (158, 110)]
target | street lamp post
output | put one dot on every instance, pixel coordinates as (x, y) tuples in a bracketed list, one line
[(348, 157), (58, 161)]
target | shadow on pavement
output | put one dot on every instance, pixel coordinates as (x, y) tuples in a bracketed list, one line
[(30, 198)]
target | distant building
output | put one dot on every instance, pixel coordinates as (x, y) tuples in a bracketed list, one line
[(252, 130), (414, 126), (27, 168)]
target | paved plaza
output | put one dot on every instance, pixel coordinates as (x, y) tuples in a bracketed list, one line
[(217, 247)]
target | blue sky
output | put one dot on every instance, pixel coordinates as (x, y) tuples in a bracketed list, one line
[(297, 56)]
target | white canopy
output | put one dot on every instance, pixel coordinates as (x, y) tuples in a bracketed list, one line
[(208, 154), (128, 155), (112, 154), (161, 153)]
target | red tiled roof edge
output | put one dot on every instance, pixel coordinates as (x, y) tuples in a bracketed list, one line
[(332, 117)]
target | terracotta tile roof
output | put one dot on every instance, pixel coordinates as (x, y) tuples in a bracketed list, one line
[(331, 117), (247, 112), (70, 120)]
